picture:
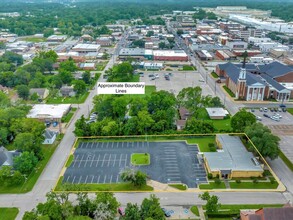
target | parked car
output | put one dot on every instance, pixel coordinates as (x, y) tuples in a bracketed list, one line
[(265, 115), (284, 109), (279, 110), (166, 212), (167, 77), (265, 109), (261, 109), (55, 123), (252, 110), (157, 75), (258, 118), (151, 75), (275, 109), (121, 211), (271, 109)]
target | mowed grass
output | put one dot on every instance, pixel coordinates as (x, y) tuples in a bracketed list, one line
[(68, 116), (69, 161), (27, 186), (35, 39), (286, 160), (99, 187), (148, 91), (140, 159), (203, 142), (251, 185), (178, 186), (68, 100), (8, 213), (249, 206), (212, 185)]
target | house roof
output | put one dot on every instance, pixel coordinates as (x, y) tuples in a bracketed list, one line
[(49, 134), (233, 156), (254, 217), (283, 213), (217, 112), (39, 91), (6, 157), (275, 69), (274, 83), (184, 113)]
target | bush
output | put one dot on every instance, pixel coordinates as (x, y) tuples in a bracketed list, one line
[(272, 180), (238, 181), (255, 180), (218, 176), (266, 173), (211, 145), (210, 176), (217, 181), (213, 149)]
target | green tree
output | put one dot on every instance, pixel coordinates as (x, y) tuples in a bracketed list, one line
[(190, 98), (4, 100), (68, 66), (136, 177), (119, 105), (66, 76), (266, 142), (86, 77), (241, 120), (12, 57), (48, 32), (138, 43), (212, 205), (25, 163), (145, 121), (199, 127), (180, 32), (26, 142), (132, 212), (23, 91), (108, 199), (150, 33), (79, 87), (150, 208)]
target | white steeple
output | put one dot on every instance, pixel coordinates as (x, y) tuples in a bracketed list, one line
[(242, 75)]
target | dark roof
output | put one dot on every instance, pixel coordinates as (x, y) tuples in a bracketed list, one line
[(3, 157), (254, 217), (49, 134), (273, 83), (252, 79), (7, 156), (39, 91), (284, 213), (184, 113), (275, 69)]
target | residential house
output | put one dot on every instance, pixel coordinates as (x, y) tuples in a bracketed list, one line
[(50, 136), (6, 157), (184, 115), (67, 91), (283, 213), (41, 92), (217, 113)]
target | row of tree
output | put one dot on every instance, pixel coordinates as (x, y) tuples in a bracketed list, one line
[(104, 206)]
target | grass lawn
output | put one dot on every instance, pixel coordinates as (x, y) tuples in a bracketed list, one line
[(251, 185), (229, 91), (66, 118), (248, 206), (100, 187), (8, 213), (48, 151), (222, 124), (187, 68), (286, 160), (212, 185), (203, 142), (148, 91), (101, 66), (194, 210), (290, 110), (69, 161), (178, 186), (214, 75), (140, 159), (67, 100), (35, 39)]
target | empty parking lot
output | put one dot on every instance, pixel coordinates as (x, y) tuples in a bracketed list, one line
[(102, 162)]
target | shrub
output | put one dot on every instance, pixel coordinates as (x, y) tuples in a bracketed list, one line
[(255, 180), (238, 181), (217, 181), (213, 149), (210, 176), (266, 173), (272, 181), (211, 145), (218, 176)]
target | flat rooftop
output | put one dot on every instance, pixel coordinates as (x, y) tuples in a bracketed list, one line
[(234, 156), (46, 111), (214, 112)]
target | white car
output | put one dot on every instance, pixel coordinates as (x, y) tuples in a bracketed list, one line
[(157, 75), (258, 118)]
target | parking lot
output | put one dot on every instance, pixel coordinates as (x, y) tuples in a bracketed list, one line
[(178, 81), (282, 128), (102, 162)]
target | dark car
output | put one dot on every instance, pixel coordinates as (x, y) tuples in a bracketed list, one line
[(271, 109), (283, 106), (284, 109), (166, 212), (151, 75), (265, 115)]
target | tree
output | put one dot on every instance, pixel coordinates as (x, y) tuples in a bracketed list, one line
[(150, 33), (79, 87), (8, 177), (86, 77), (102, 212), (199, 127), (241, 120), (66, 76), (145, 121), (12, 57), (212, 205), (179, 32), (136, 177), (190, 98), (119, 105), (48, 32), (68, 66), (162, 45), (266, 143), (4, 100), (25, 163), (150, 208), (108, 199), (23, 91), (132, 212), (26, 142)]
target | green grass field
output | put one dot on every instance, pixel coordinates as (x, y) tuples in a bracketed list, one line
[(194, 210), (214, 75), (251, 185), (212, 185), (286, 160), (140, 159), (68, 116), (229, 91), (203, 142), (178, 186), (8, 213), (188, 68), (67, 100), (100, 187), (48, 151), (35, 39), (69, 161)]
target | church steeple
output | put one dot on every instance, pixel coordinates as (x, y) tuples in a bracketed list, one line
[(242, 75)]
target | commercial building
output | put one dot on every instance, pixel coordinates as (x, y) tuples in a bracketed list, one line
[(86, 48), (104, 41), (56, 38), (236, 44), (170, 55), (88, 66), (267, 47), (49, 112), (225, 55), (136, 53), (217, 113), (204, 55), (232, 160)]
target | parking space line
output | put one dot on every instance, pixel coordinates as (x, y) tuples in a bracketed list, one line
[(114, 160), (120, 160), (111, 179), (79, 179), (105, 178), (103, 160), (92, 179), (80, 161), (133, 144), (74, 162), (117, 179), (73, 179), (98, 160), (98, 179), (102, 144), (67, 178), (109, 160), (122, 144), (107, 144), (86, 161), (112, 145), (86, 178), (92, 145), (126, 160), (92, 160), (87, 143)]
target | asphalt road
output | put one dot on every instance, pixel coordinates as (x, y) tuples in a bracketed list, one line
[(48, 178)]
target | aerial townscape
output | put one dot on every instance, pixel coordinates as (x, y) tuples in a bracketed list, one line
[(146, 110)]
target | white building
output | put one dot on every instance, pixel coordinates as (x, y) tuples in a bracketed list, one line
[(266, 47), (257, 40), (86, 48), (50, 112)]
